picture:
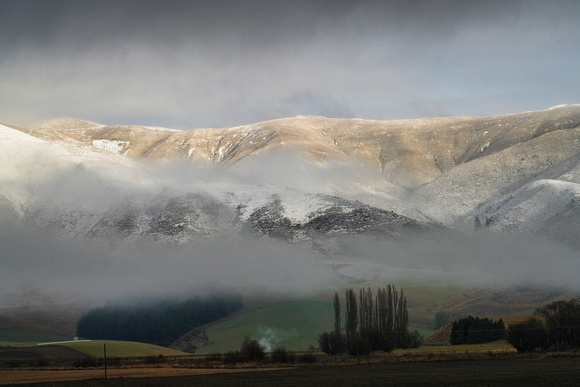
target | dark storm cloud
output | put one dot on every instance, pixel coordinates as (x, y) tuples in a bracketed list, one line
[(222, 63), (259, 24)]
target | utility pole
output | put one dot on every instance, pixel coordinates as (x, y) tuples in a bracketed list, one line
[(105, 358)]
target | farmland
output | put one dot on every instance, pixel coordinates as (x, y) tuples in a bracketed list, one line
[(510, 369), (26, 336), (84, 349), (122, 349), (293, 324), (296, 323)]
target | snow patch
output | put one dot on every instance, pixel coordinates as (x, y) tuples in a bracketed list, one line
[(113, 146)]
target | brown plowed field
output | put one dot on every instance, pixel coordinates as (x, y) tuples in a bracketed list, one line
[(43, 351), (528, 371)]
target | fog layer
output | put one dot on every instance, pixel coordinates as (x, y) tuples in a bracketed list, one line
[(49, 246)]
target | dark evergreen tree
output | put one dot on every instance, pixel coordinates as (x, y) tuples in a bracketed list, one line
[(473, 330), (159, 322)]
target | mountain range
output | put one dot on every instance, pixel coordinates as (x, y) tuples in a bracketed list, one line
[(296, 177)]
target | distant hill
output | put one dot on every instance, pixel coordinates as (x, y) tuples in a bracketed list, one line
[(441, 337)]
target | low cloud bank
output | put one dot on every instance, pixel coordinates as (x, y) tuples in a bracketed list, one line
[(79, 267)]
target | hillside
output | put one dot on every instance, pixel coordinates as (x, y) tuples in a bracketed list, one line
[(441, 336), (459, 162), (289, 206), (408, 153)]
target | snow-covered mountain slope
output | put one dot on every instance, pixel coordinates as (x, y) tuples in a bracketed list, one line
[(23, 160), (90, 193), (462, 189), (277, 177), (547, 208), (408, 153)]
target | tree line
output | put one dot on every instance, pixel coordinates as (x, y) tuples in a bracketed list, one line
[(374, 322), (475, 330), (555, 325), (159, 322)]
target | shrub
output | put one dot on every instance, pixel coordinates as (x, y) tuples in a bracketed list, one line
[(413, 340), (252, 350), (87, 362), (358, 346), (154, 359), (307, 358), (528, 336), (232, 357), (214, 357), (280, 355), (291, 357), (42, 362), (332, 343)]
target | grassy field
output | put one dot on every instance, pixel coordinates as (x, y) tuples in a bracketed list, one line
[(293, 324), (494, 346), (22, 337), (423, 301), (296, 324), (122, 349), (32, 337)]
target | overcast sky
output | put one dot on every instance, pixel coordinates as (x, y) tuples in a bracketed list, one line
[(192, 64)]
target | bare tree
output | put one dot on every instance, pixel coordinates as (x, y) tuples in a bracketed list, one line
[(562, 319)]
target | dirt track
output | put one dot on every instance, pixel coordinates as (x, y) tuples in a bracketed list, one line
[(562, 371)]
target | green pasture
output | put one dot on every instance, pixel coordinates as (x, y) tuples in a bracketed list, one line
[(15, 337), (292, 324), (423, 299), (122, 349), (494, 346)]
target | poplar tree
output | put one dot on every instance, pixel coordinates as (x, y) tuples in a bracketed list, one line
[(337, 318), (351, 318)]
